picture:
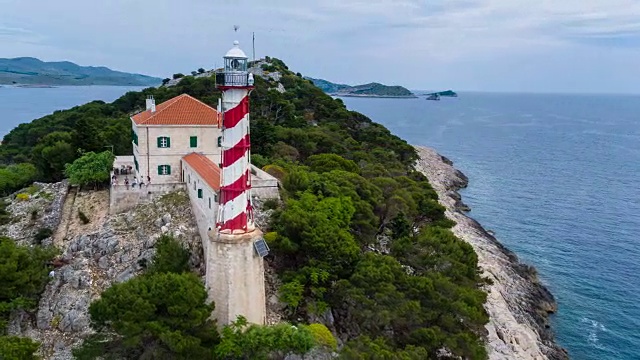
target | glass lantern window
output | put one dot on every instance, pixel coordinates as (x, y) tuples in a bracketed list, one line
[(231, 64)]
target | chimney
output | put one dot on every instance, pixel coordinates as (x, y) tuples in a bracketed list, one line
[(151, 103)]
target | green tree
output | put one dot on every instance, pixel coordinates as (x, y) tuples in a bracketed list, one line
[(159, 315), (329, 162), (23, 276), (171, 257), (90, 169), (243, 341), (15, 177), (201, 71), (52, 153), (178, 76), (17, 348), (363, 348)]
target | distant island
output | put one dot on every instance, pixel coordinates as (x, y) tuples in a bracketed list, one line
[(447, 93), (365, 90), (32, 71)]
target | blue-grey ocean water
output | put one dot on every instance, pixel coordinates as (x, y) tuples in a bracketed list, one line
[(20, 105), (556, 177)]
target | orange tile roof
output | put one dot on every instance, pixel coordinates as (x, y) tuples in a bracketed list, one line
[(207, 170), (181, 110)]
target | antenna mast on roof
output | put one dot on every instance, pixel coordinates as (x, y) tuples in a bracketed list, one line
[(254, 48)]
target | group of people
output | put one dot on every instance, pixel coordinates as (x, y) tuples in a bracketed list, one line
[(123, 170), (133, 183)]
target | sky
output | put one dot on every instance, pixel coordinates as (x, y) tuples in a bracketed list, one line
[(590, 46)]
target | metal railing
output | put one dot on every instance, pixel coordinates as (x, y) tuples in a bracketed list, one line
[(232, 79)]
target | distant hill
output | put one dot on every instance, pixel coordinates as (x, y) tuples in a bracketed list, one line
[(447, 93), (32, 71), (365, 90)]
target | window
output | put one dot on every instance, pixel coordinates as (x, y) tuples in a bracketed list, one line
[(189, 178), (135, 162), (219, 141), (134, 137), (164, 170), (215, 197), (194, 185), (193, 141), (164, 142), (209, 203), (199, 193)]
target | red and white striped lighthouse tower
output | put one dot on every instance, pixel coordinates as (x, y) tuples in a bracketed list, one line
[(235, 215), (235, 250)]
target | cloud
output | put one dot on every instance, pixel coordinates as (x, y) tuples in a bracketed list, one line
[(346, 40)]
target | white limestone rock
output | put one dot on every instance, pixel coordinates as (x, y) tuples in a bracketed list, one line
[(517, 304)]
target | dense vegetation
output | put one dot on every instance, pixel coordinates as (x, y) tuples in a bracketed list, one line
[(163, 314), (23, 275), (360, 233)]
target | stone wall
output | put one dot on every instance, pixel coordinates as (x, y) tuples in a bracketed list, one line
[(204, 209), (235, 277), (126, 197), (263, 185)]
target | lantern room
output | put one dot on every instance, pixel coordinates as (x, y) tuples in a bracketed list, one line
[(235, 72)]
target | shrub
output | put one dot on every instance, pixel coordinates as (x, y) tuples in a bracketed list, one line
[(270, 237), (84, 218), (259, 160), (22, 197), (171, 257), (323, 336), (5, 217), (32, 189), (43, 234), (275, 171), (270, 204), (17, 348), (34, 214), (20, 288)]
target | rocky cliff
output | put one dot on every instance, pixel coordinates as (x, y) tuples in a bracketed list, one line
[(94, 255), (518, 304)]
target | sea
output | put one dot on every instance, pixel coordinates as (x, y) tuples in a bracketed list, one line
[(22, 104), (554, 176)]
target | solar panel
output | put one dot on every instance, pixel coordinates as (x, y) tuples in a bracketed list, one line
[(261, 247)]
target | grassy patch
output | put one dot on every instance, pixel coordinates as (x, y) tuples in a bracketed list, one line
[(31, 190)]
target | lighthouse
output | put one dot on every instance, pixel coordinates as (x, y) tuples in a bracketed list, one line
[(235, 267)]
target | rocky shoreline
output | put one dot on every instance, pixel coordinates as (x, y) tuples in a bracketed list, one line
[(517, 303)]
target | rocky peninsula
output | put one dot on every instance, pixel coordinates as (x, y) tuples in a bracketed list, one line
[(517, 303)]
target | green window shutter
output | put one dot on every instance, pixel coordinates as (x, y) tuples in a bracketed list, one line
[(219, 141), (199, 193), (159, 169), (168, 142), (194, 141), (168, 169), (160, 142)]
